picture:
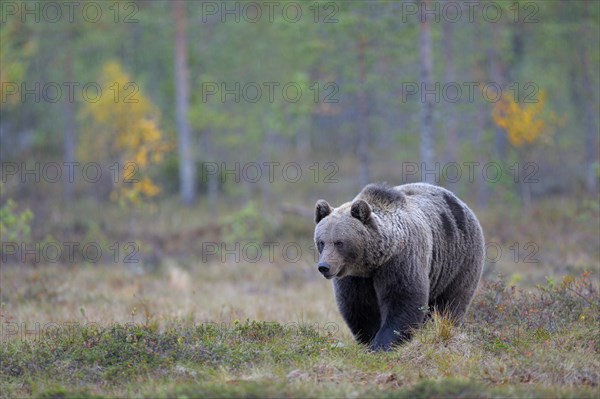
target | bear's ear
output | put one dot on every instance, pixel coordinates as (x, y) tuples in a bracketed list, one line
[(322, 209), (360, 210)]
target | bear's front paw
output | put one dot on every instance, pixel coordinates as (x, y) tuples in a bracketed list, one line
[(382, 342), (386, 338), (377, 346)]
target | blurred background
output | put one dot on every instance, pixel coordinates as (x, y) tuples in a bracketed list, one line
[(167, 155)]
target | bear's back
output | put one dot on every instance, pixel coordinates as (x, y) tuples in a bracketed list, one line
[(431, 207), (421, 189), (384, 198)]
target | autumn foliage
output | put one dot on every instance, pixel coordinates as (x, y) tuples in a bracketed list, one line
[(523, 123), (122, 128)]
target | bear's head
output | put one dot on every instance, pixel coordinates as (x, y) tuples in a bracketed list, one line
[(344, 237)]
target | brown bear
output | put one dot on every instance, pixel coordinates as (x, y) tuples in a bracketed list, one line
[(396, 253)]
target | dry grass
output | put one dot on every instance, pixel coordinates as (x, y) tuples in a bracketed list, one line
[(193, 329), (191, 338), (209, 293)]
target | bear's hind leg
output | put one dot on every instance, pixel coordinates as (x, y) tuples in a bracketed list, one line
[(456, 298), (358, 305)]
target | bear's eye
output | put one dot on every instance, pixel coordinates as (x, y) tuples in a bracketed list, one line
[(338, 244), (320, 246)]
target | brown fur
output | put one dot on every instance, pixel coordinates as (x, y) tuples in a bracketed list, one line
[(394, 253)]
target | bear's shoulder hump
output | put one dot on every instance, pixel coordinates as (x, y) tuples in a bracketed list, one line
[(382, 195)]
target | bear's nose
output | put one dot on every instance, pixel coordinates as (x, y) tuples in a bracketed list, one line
[(323, 267)]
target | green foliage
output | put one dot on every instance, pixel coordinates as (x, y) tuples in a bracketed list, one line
[(17, 46), (14, 225), (249, 224), (308, 52)]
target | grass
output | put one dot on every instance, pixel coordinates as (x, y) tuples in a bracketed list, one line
[(135, 342), (255, 359), (178, 327)]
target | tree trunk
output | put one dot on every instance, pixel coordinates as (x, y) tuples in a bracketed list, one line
[(301, 140), (208, 177), (481, 121), (589, 106), (266, 156), (187, 170), (69, 114), (427, 150), (450, 115), (302, 145), (498, 78), (362, 146)]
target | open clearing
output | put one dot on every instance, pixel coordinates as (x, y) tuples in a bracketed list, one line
[(235, 330)]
